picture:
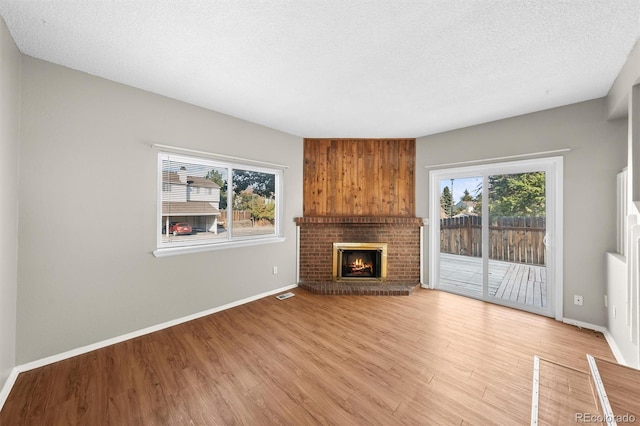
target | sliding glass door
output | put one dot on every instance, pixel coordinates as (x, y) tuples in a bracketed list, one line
[(517, 234), (460, 250), (495, 233)]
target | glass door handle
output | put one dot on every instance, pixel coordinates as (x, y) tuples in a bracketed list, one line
[(545, 240)]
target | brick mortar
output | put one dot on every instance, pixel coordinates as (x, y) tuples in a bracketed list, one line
[(322, 220), (316, 249)]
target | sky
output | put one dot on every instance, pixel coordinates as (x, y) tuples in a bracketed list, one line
[(460, 184)]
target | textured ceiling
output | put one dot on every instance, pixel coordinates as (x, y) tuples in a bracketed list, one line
[(342, 68)]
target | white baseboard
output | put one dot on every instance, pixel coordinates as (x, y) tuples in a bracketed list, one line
[(582, 324), (98, 345), (615, 349), (6, 388), (607, 335)]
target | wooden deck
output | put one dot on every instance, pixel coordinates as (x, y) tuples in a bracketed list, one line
[(516, 282)]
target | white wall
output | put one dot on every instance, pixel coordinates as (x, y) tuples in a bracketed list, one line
[(86, 271), (598, 154), (617, 310), (624, 101), (618, 96), (9, 160)]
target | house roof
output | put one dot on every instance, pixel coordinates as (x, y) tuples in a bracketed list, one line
[(338, 68), (194, 181), (463, 203), (188, 208)]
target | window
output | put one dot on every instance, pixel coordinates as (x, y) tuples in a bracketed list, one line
[(205, 203)]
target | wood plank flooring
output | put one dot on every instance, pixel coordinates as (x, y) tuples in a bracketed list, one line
[(429, 358), (565, 395), (622, 385)]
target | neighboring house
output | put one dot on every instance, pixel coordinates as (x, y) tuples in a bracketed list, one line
[(462, 208), (465, 208), (191, 199)]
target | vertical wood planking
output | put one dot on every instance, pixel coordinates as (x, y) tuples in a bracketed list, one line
[(352, 197), (379, 192), (334, 192), (402, 180), (359, 177), (388, 186), (361, 187), (370, 191), (408, 177)]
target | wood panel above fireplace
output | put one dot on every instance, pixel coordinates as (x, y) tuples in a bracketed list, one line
[(359, 177)]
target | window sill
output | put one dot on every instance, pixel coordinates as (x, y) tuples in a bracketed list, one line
[(174, 251)]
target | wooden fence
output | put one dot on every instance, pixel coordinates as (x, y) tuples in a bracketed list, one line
[(512, 239), (242, 218), (238, 215)]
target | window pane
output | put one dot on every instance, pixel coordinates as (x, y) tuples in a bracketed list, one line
[(461, 268), (200, 204), (254, 203), (193, 196)]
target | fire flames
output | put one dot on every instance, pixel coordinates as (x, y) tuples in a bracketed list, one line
[(358, 265)]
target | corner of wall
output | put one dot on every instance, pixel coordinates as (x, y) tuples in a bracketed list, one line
[(10, 82), (618, 96)]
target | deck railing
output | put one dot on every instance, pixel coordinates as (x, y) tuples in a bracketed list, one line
[(512, 239)]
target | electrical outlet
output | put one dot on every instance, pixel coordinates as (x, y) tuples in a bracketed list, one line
[(275, 270), (578, 300)]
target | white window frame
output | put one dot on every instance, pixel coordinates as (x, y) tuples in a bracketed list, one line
[(229, 163)]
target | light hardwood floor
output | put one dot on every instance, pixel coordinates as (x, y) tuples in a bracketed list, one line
[(431, 358), (622, 385)]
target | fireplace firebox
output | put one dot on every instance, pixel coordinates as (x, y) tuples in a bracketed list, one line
[(359, 261)]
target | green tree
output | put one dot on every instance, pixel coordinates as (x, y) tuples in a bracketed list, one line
[(446, 201), (467, 196), (264, 210), (263, 184), (521, 194), (254, 183), (478, 199), (244, 200), (259, 206), (216, 177)]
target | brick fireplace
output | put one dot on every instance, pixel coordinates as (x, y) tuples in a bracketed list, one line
[(359, 193), (317, 269)]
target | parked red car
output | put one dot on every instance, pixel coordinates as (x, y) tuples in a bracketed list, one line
[(180, 228)]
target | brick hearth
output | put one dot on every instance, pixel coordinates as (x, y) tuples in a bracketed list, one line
[(317, 235), (359, 289)]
